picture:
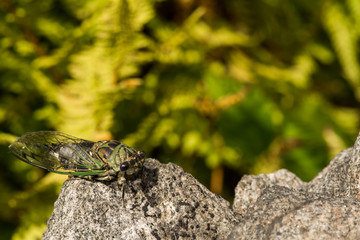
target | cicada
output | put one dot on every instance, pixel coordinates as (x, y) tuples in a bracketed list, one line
[(64, 154)]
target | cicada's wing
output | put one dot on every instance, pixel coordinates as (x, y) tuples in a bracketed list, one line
[(58, 152)]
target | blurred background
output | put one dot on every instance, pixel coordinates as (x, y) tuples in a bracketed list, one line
[(221, 88)]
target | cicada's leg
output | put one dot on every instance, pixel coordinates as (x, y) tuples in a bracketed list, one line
[(87, 177), (122, 183), (106, 176), (142, 176)]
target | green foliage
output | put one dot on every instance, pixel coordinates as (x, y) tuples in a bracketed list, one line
[(243, 86)]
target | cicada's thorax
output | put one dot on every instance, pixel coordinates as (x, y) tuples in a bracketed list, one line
[(115, 153)]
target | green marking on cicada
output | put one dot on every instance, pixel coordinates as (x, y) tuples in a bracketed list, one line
[(64, 154), (116, 151)]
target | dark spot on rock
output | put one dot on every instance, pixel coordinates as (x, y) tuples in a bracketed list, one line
[(155, 234)]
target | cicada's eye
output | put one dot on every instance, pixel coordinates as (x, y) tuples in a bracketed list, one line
[(124, 166)]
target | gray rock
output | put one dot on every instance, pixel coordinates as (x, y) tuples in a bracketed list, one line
[(250, 188), (283, 213), (170, 204), (332, 180), (281, 206)]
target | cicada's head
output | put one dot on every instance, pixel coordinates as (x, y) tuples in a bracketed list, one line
[(136, 161), (141, 154)]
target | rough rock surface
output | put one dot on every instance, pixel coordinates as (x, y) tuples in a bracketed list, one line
[(281, 206), (171, 204)]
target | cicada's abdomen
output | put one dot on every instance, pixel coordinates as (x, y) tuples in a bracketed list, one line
[(77, 156)]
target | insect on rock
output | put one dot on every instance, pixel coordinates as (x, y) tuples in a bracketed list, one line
[(64, 154)]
